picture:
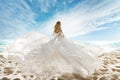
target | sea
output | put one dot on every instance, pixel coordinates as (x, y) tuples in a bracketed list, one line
[(116, 45), (4, 43)]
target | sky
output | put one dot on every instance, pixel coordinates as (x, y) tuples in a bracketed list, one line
[(82, 20)]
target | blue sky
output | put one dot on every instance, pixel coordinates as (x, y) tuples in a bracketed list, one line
[(83, 20)]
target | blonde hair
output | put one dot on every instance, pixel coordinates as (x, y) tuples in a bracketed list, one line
[(57, 29)]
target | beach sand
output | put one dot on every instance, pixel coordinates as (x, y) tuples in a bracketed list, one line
[(10, 69)]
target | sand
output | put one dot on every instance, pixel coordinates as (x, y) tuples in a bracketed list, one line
[(10, 69)]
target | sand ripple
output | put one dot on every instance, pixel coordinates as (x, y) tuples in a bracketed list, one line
[(9, 70)]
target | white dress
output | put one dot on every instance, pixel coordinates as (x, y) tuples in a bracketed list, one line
[(57, 55)]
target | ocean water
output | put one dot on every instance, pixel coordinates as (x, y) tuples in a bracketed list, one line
[(116, 45), (2, 45)]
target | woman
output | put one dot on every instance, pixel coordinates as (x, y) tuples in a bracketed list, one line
[(58, 55), (57, 29)]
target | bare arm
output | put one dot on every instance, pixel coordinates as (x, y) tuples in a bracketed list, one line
[(62, 34)]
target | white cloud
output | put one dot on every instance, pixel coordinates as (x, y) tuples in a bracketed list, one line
[(15, 19), (45, 5), (85, 18)]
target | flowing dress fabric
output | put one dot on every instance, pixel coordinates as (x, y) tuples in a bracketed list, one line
[(59, 55)]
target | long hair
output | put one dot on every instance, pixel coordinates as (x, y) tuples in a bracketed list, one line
[(57, 27)]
